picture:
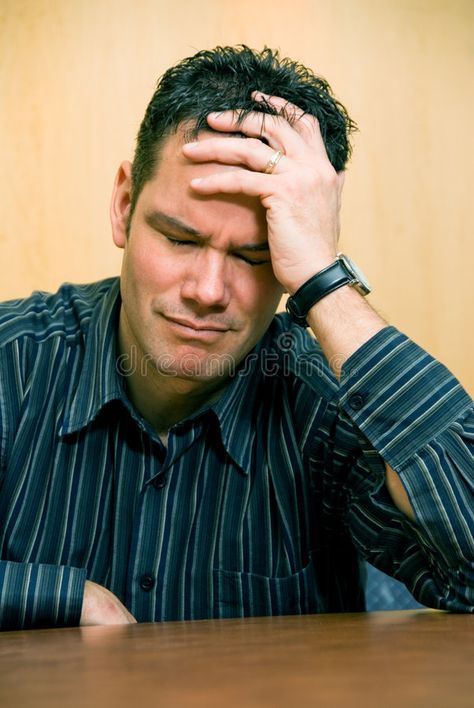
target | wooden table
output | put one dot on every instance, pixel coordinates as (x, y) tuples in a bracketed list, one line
[(380, 659)]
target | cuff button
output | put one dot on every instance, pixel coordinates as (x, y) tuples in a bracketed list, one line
[(356, 401)]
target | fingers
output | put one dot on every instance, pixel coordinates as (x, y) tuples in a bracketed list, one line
[(101, 607), (305, 124), (299, 120), (290, 130), (287, 145), (253, 184), (275, 130), (250, 153)]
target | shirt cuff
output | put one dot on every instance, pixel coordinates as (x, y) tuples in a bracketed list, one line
[(399, 396), (39, 595)]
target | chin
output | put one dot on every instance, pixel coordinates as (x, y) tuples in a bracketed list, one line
[(194, 366)]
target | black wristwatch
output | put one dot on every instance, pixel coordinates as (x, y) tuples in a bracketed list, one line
[(342, 272)]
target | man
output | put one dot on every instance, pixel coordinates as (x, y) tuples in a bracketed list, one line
[(169, 448)]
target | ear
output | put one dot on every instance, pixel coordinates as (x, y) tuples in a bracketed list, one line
[(341, 176), (120, 204)]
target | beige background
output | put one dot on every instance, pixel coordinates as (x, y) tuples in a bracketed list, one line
[(75, 77)]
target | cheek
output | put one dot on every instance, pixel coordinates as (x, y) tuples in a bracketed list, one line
[(259, 294), (150, 271)]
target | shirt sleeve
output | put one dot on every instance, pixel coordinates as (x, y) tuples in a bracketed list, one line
[(411, 412), (36, 595)]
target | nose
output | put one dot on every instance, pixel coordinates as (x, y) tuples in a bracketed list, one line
[(206, 280)]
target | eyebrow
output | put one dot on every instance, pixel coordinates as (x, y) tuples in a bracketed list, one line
[(157, 220), (162, 222)]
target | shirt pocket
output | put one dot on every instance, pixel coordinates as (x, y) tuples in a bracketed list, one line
[(251, 595)]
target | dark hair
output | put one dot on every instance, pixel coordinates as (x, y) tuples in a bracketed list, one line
[(222, 79)]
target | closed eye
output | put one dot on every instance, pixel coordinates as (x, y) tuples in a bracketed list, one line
[(252, 261), (190, 242), (180, 242)]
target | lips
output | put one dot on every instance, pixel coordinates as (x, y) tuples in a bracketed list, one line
[(190, 331), (198, 327)]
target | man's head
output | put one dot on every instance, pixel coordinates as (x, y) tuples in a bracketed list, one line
[(224, 78), (198, 285)]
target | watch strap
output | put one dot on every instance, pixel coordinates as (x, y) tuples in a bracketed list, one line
[(326, 281)]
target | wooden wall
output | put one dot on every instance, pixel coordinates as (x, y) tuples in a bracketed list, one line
[(75, 77)]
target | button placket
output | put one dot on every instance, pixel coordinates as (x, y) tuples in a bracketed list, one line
[(160, 481), (147, 582), (141, 573)]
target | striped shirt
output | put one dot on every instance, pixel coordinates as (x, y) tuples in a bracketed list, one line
[(264, 502)]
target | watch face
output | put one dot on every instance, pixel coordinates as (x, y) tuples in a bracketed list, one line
[(360, 281)]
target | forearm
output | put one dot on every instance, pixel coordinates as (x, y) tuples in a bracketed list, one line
[(342, 322), (416, 415), (419, 419), (40, 595)]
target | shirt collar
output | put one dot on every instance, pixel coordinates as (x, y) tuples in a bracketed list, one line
[(98, 381)]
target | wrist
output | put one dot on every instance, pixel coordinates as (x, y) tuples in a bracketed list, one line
[(337, 274), (342, 322), (307, 271)]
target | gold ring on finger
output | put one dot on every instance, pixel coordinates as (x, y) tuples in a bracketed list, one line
[(272, 162)]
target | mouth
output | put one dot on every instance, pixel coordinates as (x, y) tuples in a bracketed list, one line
[(196, 330), (199, 327)]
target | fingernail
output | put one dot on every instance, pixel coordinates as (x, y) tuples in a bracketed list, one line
[(191, 146)]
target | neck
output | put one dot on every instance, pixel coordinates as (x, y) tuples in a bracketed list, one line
[(164, 401)]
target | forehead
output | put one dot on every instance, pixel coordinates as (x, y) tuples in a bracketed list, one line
[(169, 191)]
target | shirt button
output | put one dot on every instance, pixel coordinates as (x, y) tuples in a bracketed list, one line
[(159, 482), (356, 401), (147, 582)]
